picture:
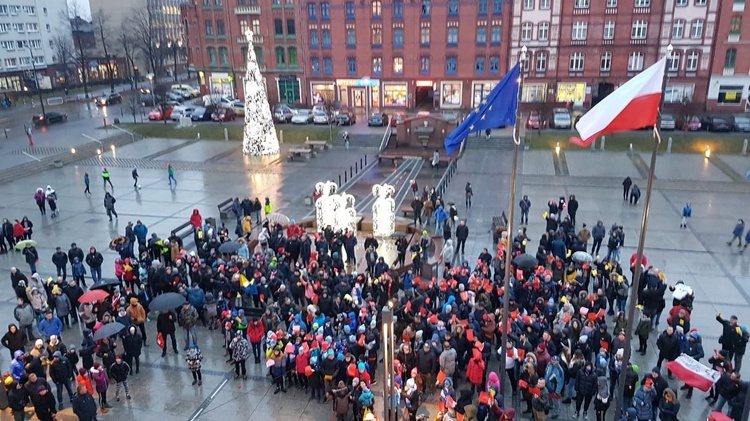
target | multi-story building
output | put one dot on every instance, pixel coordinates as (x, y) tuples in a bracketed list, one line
[(729, 86), (218, 45), (404, 53), (27, 32)]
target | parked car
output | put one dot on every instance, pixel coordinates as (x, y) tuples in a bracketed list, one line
[(239, 108), (108, 99), (202, 113), (43, 120), (302, 117), (345, 118), (716, 124), (321, 117), (667, 122), (161, 112), (181, 111), (536, 121), (690, 124), (397, 119), (561, 119), (282, 113), (377, 119), (218, 100), (319, 108), (741, 123), (193, 91), (223, 114)]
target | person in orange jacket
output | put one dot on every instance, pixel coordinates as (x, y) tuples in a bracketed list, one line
[(84, 379), (138, 314)]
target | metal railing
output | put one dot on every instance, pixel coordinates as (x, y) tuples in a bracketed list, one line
[(348, 175), (386, 137), (442, 185)]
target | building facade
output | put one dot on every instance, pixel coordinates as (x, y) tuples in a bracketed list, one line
[(729, 86), (27, 32)]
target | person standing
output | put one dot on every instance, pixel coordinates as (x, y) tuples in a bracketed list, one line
[(95, 259), (626, 183), (525, 205), (32, 257), (60, 372), (133, 345), (193, 358), (188, 319), (462, 233), (52, 201), (44, 404), (165, 325), (416, 207), (435, 160), (256, 210), (469, 194), (267, 208), (134, 173), (138, 314), (87, 183), (60, 260), (141, 231), (737, 232), (109, 205), (119, 372), (240, 351), (687, 212), (39, 198), (84, 405), (572, 209), (106, 179), (170, 175)]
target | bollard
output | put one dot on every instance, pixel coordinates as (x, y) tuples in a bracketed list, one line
[(631, 147), (669, 145), (360, 163), (365, 159), (744, 144), (307, 138), (355, 167), (226, 134), (6, 135), (604, 140), (339, 179), (281, 136), (344, 176), (199, 136), (350, 171), (593, 145)]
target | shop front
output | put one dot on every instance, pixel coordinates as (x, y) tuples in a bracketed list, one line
[(323, 92), (220, 83), (395, 94), (480, 90), (359, 93), (289, 89), (424, 94), (451, 93), (571, 93)]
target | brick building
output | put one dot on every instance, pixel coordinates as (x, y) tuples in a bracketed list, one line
[(729, 86)]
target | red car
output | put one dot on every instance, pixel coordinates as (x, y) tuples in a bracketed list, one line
[(223, 114), (160, 113), (535, 121)]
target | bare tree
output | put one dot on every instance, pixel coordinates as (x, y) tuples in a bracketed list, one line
[(65, 52), (144, 31), (126, 41), (75, 21), (100, 22)]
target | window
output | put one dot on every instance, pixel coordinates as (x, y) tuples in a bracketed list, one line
[(351, 66), (291, 29), (611, 3), (426, 8), (696, 29), (635, 61), (482, 35), (576, 62), (700, 2), (48, 27), (450, 65), (377, 9), (206, 3), (605, 64), (528, 4), (424, 36), (218, 3), (327, 66), (377, 36), (315, 65), (5, 28), (349, 10), (735, 25), (220, 28), (398, 9), (212, 56), (639, 29), (351, 38), (398, 65), (681, 3), (398, 37), (325, 11), (642, 3), (534, 92), (581, 4), (678, 29), (10, 62), (209, 28), (673, 62), (453, 8), (312, 11), (541, 62), (479, 65), (377, 65), (8, 45), (223, 57), (326, 38), (3, 10), (730, 57), (579, 31), (545, 4), (314, 42), (543, 31), (691, 63), (31, 10), (280, 57), (494, 65), (497, 7), (278, 27), (244, 27), (609, 30), (728, 94), (293, 62), (526, 28), (36, 44), (424, 65), (32, 27), (496, 35), (452, 36)]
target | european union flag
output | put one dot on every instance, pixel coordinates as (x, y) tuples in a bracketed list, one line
[(498, 109)]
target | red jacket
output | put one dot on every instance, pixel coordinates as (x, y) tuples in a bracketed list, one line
[(292, 230), (196, 220), (18, 230), (256, 331), (475, 371), (301, 362)]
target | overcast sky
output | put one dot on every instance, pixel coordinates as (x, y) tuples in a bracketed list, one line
[(81, 6)]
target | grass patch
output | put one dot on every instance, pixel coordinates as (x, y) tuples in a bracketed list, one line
[(215, 131), (643, 141)]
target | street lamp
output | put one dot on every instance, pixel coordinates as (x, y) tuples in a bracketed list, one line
[(150, 78), (174, 46), (389, 398), (366, 80), (36, 79)]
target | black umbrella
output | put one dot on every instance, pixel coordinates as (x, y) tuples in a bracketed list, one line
[(525, 261), (165, 302), (230, 247), (105, 283), (398, 234), (108, 330)]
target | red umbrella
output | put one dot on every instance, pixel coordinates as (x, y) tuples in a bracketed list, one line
[(93, 296)]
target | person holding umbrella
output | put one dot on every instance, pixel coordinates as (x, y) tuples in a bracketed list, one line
[(31, 255)]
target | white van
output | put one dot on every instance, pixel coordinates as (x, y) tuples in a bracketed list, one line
[(191, 90), (218, 100)]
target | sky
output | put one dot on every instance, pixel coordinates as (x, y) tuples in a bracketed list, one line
[(82, 6)]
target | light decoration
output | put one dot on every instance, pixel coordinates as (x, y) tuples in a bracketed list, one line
[(334, 209), (259, 134), (383, 210)]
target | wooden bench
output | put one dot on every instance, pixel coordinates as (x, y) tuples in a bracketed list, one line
[(407, 210), (499, 224), (392, 156), (313, 144), (224, 208), (300, 153), (183, 230)]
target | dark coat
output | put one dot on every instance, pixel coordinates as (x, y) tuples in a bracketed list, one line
[(132, 344), (84, 406), (586, 383)]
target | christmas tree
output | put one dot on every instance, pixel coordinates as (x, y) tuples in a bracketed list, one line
[(260, 133)]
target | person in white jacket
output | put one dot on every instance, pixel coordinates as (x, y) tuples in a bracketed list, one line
[(512, 359), (447, 255)]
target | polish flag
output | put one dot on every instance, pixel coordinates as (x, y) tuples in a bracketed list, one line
[(693, 373), (632, 106)]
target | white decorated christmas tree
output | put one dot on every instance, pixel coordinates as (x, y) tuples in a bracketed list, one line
[(260, 133)]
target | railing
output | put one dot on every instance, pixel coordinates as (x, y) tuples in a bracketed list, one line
[(386, 137), (442, 185), (257, 39), (247, 10)]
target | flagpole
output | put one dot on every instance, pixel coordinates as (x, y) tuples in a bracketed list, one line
[(635, 284), (509, 244)]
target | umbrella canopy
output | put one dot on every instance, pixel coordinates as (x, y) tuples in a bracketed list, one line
[(525, 261), (93, 296), (230, 247), (105, 283), (108, 330), (278, 218), (25, 243), (398, 234), (582, 257), (168, 301)]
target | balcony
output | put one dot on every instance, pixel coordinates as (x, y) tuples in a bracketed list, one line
[(728, 72), (640, 41), (642, 11), (610, 11), (578, 42), (247, 10), (608, 42), (257, 39), (581, 11)]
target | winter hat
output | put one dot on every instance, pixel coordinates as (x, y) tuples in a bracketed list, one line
[(656, 369), (82, 371), (632, 412), (355, 382), (603, 388), (39, 342), (361, 367)]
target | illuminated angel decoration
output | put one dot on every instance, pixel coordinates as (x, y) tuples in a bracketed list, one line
[(383, 210)]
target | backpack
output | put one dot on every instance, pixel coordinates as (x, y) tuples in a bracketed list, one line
[(342, 405), (509, 414), (483, 412)]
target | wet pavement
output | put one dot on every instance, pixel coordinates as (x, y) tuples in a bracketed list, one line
[(209, 172)]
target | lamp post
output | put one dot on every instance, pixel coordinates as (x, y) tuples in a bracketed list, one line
[(150, 78), (187, 47), (36, 79), (389, 399), (174, 46), (366, 80)]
